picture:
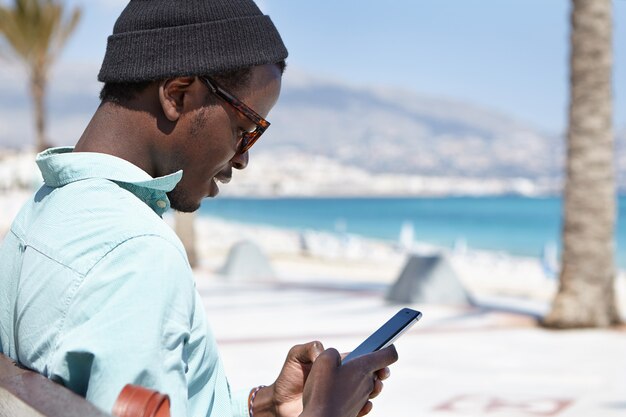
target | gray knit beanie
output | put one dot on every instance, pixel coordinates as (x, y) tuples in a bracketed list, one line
[(158, 39)]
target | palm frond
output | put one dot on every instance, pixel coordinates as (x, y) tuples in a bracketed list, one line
[(36, 30)]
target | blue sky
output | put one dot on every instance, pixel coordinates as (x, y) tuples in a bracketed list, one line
[(504, 55)]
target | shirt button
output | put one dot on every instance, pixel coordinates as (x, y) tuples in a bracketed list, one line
[(162, 204)]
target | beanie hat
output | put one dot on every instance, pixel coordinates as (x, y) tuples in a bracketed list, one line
[(158, 39)]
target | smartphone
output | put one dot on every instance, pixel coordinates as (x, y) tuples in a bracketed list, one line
[(387, 334)]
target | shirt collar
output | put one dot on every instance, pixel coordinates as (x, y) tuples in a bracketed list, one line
[(62, 166)]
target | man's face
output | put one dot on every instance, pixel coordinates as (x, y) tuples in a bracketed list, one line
[(207, 144)]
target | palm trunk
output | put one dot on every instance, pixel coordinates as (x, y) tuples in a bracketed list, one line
[(38, 91), (586, 296), (185, 229)]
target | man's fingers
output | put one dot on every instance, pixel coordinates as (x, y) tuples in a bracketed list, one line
[(377, 360), (383, 374), (307, 352), (330, 356), (378, 387), (314, 349)]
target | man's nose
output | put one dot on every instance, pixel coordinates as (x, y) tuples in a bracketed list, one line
[(240, 160)]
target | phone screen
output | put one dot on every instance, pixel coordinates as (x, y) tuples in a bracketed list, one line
[(387, 334)]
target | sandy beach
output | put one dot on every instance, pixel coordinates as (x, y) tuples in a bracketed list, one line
[(332, 257), (487, 360), (490, 359), (491, 278)]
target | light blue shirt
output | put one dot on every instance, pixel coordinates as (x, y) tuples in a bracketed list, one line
[(96, 291)]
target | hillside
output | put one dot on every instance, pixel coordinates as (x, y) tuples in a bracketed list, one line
[(402, 132), (370, 130)]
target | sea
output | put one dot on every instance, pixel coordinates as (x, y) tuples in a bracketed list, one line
[(514, 225)]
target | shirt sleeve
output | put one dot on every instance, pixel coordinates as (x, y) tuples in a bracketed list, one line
[(239, 403), (128, 322)]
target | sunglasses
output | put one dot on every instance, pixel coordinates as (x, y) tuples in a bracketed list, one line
[(248, 138)]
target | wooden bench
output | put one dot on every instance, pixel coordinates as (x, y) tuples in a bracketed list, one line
[(24, 393)]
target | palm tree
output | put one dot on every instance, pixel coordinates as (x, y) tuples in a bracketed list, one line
[(36, 31), (586, 296), (184, 226)]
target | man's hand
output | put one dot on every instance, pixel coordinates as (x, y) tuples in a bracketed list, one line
[(284, 397), (336, 390), (289, 385)]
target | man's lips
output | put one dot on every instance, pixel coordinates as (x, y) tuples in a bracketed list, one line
[(223, 179)]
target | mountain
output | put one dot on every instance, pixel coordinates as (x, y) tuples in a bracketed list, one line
[(396, 131), (372, 129)]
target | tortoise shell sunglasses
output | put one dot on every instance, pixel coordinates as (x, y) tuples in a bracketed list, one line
[(247, 138)]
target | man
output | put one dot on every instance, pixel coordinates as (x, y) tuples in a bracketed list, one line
[(95, 289)]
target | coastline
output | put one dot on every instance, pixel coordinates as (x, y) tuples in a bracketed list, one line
[(493, 277), (351, 259)]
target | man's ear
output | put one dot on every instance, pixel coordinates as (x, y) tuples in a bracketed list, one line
[(172, 96)]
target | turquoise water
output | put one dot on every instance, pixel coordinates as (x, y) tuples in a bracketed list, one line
[(516, 225)]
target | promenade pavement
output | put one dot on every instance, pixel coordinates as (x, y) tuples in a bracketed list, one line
[(457, 361)]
